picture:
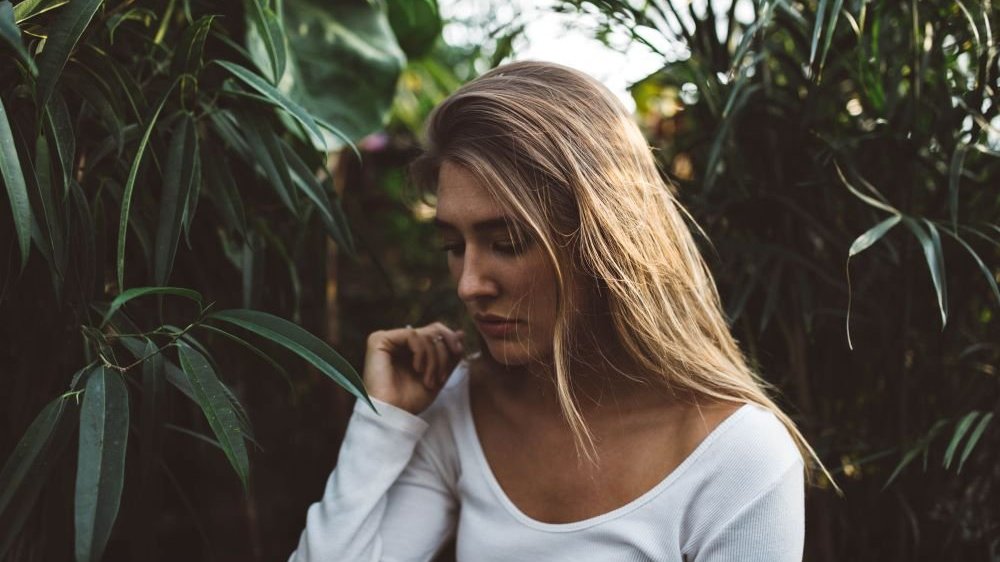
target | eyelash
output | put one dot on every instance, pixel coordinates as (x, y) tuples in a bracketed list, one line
[(508, 249)]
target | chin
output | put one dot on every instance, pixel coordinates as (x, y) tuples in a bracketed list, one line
[(507, 353)]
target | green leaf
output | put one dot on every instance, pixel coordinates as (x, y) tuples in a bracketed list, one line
[(66, 30), (137, 292), (27, 9), (52, 214), (153, 412), (872, 235), (221, 189), (299, 341), (252, 348), (416, 25), (58, 125), (343, 65), (931, 244), (979, 262), (214, 402), (970, 444), (24, 494), (10, 34), (960, 429), (831, 27), (126, 202), (267, 30), (17, 191), (187, 58), (178, 178), (276, 98), (267, 153), (306, 180), (860, 244), (104, 421), (21, 464), (817, 31), (867, 199)]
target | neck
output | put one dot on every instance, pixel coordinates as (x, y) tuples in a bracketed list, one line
[(599, 387)]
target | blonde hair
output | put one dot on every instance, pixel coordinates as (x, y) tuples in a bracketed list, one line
[(558, 150)]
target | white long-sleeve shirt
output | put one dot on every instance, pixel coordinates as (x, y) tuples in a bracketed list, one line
[(405, 484)]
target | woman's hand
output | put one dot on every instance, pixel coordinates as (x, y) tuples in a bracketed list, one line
[(407, 367)]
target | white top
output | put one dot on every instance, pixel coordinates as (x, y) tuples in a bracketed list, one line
[(405, 484)]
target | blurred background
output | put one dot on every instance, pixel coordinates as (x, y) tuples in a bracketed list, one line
[(840, 155)]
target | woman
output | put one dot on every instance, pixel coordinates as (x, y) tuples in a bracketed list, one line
[(610, 414)]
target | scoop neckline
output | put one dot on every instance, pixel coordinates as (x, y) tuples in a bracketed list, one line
[(472, 437)]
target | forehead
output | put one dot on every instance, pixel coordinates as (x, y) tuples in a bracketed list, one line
[(462, 199)]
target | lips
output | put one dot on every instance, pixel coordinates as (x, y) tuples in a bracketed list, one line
[(495, 326)]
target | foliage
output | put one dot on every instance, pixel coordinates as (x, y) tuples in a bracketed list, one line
[(163, 161), (836, 153)]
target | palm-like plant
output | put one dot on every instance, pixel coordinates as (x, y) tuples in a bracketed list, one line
[(163, 161)]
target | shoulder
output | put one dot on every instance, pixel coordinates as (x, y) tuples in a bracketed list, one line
[(748, 455)]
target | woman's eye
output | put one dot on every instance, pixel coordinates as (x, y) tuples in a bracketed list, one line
[(454, 248), (509, 247)]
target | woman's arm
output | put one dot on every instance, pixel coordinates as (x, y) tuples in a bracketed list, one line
[(386, 499)]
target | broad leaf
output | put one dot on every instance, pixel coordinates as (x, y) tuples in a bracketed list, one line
[(214, 402), (62, 37), (344, 62), (126, 201), (266, 31), (179, 177), (137, 292), (299, 341), (27, 454), (104, 421), (17, 191), (10, 34)]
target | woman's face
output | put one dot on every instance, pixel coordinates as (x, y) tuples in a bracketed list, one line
[(507, 284)]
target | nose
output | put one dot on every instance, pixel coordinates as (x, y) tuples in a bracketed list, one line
[(475, 281)]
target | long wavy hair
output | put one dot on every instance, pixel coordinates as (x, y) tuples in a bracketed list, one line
[(564, 156)]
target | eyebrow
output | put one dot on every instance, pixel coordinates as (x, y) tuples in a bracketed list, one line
[(487, 225)]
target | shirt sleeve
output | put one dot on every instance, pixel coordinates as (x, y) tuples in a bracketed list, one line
[(382, 502), (771, 528)]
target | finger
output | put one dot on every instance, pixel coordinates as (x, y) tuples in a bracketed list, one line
[(433, 360), (418, 349), (443, 357), (454, 341)]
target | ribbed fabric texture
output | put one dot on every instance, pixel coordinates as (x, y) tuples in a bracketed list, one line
[(405, 484)]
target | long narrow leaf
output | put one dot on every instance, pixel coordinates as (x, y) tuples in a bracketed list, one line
[(104, 421), (960, 429), (271, 33), (276, 98), (970, 443), (860, 244), (22, 462), (178, 178), (17, 191), (58, 125), (137, 292), (979, 262), (931, 244), (10, 34), (218, 410), (126, 203), (299, 341), (63, 35), (27, 9)]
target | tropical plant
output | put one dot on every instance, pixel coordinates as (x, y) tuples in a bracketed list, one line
[(167, 173), (836, 152)]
